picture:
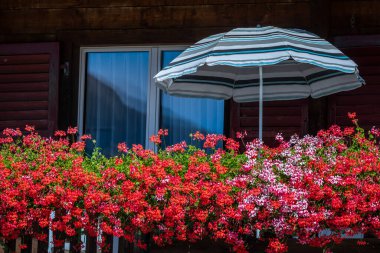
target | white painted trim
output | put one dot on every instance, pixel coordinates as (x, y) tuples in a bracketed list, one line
[(81, 90), (152, 101), (153, 96)]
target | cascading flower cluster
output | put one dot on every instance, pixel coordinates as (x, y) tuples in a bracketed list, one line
[(316, 189)]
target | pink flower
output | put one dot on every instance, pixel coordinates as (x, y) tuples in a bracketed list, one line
[(86, 137), (60, 133), (163, 132), (12, 132), (178, 147), (29, 128), (197, 136), (72, 130), (156, 139), (241, 135), (122, 147)]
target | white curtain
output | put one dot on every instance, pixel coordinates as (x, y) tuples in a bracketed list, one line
[(116, 98), (116, 102), (183, 116)]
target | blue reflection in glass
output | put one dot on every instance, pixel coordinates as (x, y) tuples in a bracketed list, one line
[(116, 98), (183, 116)]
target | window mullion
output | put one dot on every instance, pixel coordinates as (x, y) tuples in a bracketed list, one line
[(153, 102)]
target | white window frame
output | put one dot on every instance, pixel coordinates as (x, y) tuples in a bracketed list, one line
[(153, 95)]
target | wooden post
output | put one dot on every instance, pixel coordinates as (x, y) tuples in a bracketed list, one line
[(125, 246), (18, 243), (91, 246), (34, 247)]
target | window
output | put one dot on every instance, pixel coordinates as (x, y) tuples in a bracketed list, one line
[(118, 100), (183, 116)]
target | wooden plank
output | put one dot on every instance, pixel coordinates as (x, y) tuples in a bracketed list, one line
[(23, 105), (6, 59), (24, 96), (29, 86), (143, 36), (360, 51), (270, 111), (29, 21), (362, 118), (91, 245), (275, 121), (371, 60), (30, 68), (355, 17), (320, 24), (18, 243), (34, 248), (24, 115), (18, 78), (370, 70), (42, 4), (365, 109), (304, 119), (359, 100), (363, 91), (371, 79), (358, 40), (39, 124)]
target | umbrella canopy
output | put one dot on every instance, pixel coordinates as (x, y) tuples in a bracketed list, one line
[(296, 64), (257, 64)]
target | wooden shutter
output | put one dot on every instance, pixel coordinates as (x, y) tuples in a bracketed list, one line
[(286, 117), (365, 101), (29, 86)]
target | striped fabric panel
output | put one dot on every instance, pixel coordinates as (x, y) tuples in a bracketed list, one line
[(282, 81), (296, 64), (258, 46)]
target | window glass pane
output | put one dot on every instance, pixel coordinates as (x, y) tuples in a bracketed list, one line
[(116, 98), (183, 116)]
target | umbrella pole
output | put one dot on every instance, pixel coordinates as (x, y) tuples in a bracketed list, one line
[(260, 119), (261, 104)]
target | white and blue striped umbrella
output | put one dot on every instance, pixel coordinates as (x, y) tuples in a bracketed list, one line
[(289, 63)]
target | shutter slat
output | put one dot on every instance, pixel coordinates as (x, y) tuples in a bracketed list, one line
[(273, 121), (17, 78), (23, 105), (30, 68), (35, 86), (269, 111), (24, 115), (39, 124), (350, 101), (24, 59), (24, 96)]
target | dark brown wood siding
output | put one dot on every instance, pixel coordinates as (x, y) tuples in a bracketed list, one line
[(29, 86), (365, 101), (286, 117)]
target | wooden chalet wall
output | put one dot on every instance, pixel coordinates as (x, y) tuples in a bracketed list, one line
[(365, 51), (76, 23)]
